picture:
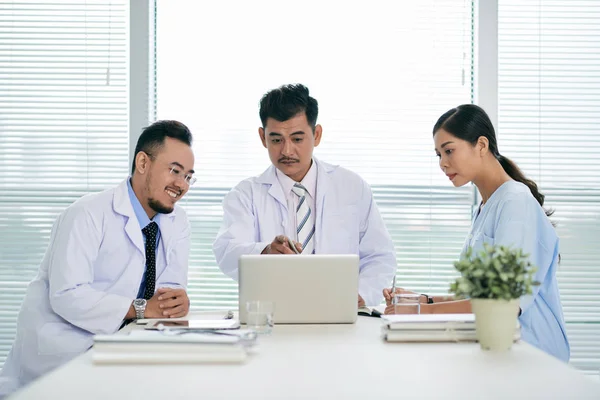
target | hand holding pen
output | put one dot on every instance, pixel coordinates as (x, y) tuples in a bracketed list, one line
[(294, 246), (283, 245), (389, 294)]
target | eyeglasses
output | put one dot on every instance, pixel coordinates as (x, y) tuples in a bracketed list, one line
[(189, 179)]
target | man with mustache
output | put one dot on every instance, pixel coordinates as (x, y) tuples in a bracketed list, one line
[(318, 207), (113, 256)]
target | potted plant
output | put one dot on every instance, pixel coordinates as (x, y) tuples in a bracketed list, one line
[(494, 280)]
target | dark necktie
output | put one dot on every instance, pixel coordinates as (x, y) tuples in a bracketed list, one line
[(150, 231)]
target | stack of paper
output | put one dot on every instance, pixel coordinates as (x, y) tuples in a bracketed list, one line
[(159, 347), (430, 328)]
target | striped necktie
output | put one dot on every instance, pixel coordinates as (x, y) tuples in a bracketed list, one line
[(305, 220)]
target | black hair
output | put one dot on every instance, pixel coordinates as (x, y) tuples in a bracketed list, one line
[(469, 122), (153, 137), (286, 102)]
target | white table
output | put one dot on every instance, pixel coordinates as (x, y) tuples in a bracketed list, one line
[(330, 362)]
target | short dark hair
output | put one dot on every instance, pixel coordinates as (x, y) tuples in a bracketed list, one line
[(287, 101), (153, 137)]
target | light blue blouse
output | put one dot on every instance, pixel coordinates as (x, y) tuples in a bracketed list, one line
[(513, 217)]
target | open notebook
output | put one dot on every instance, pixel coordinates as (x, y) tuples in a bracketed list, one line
[(369, 312)]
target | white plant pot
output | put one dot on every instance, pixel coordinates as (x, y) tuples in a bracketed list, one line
[(495, 322)]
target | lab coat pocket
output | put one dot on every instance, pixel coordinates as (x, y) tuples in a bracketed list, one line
[(61, 338)]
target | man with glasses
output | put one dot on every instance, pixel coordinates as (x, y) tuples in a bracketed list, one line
[(113, 256)]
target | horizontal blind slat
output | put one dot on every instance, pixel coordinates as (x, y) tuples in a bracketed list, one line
[(63, 126), (549, 103)]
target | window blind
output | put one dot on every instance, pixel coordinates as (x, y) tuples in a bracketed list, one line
[(382, 75), (549, 122), (63, 125)]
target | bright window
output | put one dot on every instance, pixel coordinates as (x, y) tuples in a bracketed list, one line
[(549, 122), (382, 75), (63, 126)]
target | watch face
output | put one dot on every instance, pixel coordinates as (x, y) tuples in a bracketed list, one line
[(139, 302)]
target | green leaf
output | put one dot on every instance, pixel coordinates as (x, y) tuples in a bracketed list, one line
[(497, 272)]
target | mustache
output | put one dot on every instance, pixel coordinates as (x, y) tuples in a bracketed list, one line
[(282, 159)]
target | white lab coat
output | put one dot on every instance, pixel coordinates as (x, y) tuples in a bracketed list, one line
[(347, 222), (89, 276)]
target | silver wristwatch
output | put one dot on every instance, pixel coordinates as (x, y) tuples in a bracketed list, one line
[(139, 305)]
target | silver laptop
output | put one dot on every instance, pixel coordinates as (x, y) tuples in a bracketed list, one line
[(306, 289)]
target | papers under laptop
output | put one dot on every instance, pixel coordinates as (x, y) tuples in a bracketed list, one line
[(431, 328), (311, 289)]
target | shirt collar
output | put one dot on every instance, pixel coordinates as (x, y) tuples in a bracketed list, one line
[(309, 182), (140, 213)]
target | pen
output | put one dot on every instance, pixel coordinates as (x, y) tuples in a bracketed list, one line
[(393, 291), (293, 246)]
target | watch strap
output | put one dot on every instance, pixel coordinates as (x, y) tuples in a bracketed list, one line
[(429, 298), (139, 311)]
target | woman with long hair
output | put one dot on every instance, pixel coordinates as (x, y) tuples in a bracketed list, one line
[(511, 214)]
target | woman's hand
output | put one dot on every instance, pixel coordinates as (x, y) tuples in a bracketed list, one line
[(387, 294)]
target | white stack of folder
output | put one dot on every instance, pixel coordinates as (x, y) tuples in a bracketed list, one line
[(158, 347), (431, 328)]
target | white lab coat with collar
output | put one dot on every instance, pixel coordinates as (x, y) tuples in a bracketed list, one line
[(347, 222), (90, 274)]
